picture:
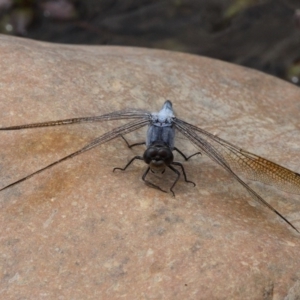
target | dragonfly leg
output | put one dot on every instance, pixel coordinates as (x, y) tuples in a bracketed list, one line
[(132, 145), (184, 156), (152, 184), (129, 163), (178, 175), (183, 172)]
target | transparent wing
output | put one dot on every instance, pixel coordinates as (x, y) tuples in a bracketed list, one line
[(252, 166), (118, 131), (233, 160), (117, 115)]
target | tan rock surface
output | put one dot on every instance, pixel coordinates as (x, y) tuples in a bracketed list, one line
[(80, 231)]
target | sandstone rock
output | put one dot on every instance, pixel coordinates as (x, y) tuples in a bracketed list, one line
[(80, 231)]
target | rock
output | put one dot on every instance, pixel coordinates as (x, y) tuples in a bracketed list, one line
[(81, 231)]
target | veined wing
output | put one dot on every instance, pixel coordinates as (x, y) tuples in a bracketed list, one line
[(116, 115), (251, 165), (118, 131), (233, 160)]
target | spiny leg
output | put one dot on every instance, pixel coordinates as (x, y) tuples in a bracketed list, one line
[(184, 156), (129, 163), (132, 145), (144, 175), (174, 183), (183, 172), (147, 171), (152, 184)]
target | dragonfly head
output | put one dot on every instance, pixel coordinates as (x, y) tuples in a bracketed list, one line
[(158, 156)]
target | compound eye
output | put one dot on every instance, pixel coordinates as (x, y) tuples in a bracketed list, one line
[(149, 155), (163, 153), (151, 152)]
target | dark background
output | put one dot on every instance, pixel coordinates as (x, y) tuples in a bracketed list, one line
[(264, 34)]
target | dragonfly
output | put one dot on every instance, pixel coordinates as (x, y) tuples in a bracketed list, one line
[(160, 144)]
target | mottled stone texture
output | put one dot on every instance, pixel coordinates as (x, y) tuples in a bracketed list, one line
[(80, 231)]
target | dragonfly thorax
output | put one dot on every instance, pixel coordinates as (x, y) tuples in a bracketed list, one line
[(164, 117), (158, 156)]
